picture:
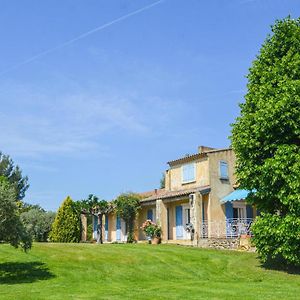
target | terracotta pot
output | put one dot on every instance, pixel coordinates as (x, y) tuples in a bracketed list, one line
[(156, 240), (245, 236)]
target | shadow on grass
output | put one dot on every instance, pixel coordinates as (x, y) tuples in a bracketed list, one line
[(280, 266), (27, 272)]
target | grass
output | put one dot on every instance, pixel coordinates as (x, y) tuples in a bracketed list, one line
[(87, 271)]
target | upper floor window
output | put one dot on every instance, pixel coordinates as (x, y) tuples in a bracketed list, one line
[(188, 173), (224, 170)]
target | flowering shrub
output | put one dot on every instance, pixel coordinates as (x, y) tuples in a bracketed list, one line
[(151, 229)]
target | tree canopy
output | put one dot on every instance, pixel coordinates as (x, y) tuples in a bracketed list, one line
[(14, 176), (266, 141), (38, 223)]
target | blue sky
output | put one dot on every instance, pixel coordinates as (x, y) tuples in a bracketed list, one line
[(104, 114)]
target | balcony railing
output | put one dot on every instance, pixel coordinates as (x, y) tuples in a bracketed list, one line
[(230, 228)]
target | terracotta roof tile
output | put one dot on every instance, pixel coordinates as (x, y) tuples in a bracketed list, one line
[(172, 194)]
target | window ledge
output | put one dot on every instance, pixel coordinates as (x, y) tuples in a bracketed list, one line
[(187, 182)]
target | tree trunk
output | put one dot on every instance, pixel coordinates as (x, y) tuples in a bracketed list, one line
[(130, 237), (99, 229)]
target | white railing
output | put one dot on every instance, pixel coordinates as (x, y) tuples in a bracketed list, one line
[(230, 228)]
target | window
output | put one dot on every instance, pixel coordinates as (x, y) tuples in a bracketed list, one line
[(188, 173), (224, 170), (150, 215), (239, 212)]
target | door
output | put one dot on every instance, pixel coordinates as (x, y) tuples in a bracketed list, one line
[(179, 227), (118, 229), (106, 227), (95, 223), (150, 214), (186, 221)]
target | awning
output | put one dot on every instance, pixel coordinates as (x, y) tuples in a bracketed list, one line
[(235, 196)]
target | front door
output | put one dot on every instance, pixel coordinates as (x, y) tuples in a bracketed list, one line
[(186, 221), (118, 229), (179, 227), (95, 224), (106, 227)]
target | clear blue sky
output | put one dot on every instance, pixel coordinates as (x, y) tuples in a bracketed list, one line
[(104, 114)]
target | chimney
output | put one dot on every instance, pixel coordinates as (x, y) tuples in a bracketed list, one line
[(203, 149)]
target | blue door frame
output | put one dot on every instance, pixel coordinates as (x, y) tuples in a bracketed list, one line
[(179, 226)]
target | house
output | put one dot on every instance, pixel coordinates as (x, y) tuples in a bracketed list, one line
[(199, 194)]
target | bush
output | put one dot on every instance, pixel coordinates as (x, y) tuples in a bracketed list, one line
[(38, 223), (277, 238), (66, 226)]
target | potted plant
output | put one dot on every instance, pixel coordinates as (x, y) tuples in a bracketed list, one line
[(152, 231)]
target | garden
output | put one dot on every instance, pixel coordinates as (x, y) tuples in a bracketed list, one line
[(138, 271)]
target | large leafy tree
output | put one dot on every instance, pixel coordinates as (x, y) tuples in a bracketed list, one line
[(12, 229), (266, 141), (14, 176), (127, 206), (66, 226)]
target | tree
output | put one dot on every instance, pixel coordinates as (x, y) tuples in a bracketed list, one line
[(11, 228), (266, 141), (97, 208), (38, 223), (14, 176), (127, 206), (100, 210), (66, 226)]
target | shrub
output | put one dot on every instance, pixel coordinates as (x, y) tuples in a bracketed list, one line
[(277, 238)]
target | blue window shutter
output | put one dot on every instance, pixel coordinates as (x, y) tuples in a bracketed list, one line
[(228, 210), (249, 211), (223, 170), (106, 227), (185, 173), (188, 172), (150, 214), (106, 222), (118, 229), (95, 223)]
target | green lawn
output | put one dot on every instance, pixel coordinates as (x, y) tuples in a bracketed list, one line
[(86, 271)]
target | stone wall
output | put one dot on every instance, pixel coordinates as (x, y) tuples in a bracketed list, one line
[(219, 243)]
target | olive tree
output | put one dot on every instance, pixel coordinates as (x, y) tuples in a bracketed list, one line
[(12, 229)]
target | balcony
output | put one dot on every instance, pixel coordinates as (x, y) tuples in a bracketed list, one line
[(229, 228)]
